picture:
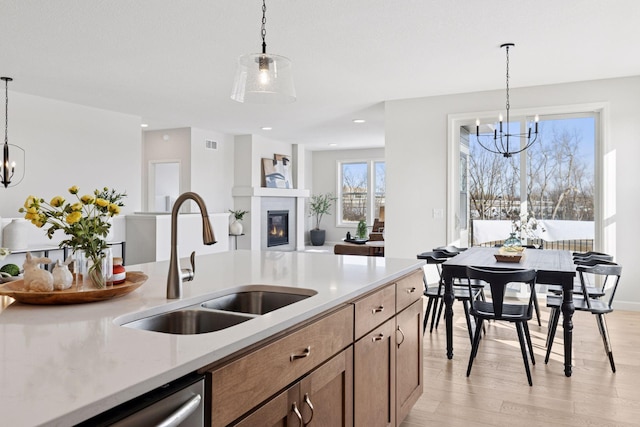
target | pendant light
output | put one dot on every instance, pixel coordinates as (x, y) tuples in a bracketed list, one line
[(499, 141), (8, 166), (263, 78)]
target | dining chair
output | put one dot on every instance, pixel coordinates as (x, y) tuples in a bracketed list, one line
[(450, 250), (435, 293), (609, 275), (497, 309)]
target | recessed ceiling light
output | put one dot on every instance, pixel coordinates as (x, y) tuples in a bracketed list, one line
[(359, 120), (266, 128), (144, 125), (333, 144)]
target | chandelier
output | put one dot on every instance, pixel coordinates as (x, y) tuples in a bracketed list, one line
[(8, 166), (263, 78), (500, 142)]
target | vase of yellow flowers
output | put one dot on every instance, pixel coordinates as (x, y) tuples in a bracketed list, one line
[(86, 221)]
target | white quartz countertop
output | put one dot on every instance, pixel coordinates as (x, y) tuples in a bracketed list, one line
[(60, 365)]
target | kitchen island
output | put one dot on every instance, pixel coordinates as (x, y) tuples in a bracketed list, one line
[(63, 364)]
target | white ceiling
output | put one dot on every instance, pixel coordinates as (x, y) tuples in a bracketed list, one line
[(172, 62)]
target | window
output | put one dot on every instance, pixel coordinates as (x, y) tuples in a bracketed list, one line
[(553, 180), (361, 191)]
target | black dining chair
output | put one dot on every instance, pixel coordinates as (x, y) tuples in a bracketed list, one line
[(450, 250), (435, 294), (497, 309), (609, 275)]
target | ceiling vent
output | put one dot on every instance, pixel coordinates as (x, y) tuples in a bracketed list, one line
[(210, 144)]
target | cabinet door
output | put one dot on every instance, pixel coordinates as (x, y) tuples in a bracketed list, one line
[(374, 377), (326, 398), (277, 412), (409, 375)]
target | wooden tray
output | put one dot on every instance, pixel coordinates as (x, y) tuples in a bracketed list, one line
[(72, 295), (508, 256)]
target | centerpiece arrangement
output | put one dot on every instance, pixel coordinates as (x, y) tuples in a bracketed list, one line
[(85, 220)]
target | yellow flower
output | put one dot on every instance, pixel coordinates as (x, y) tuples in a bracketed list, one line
[(102, 202), (39, 221), (73, 190), (76, 207), (31, 201), (57, 201), (114, 209), (87, 199), (74, 217)]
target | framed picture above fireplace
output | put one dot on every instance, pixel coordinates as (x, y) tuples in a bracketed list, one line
[(276, 172)]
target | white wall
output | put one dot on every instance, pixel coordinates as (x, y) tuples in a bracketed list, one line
[(416, 156), (68, 144), (212, 170), (324, 179)]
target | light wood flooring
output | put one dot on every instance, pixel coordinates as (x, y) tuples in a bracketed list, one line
[(497, 393)]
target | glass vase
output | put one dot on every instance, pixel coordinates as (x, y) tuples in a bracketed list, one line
[(93, 271), (512, 241)]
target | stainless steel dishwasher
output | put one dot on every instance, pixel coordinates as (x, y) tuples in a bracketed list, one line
[(179, 403)]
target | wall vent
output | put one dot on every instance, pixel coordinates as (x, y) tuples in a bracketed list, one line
[(210, 144)]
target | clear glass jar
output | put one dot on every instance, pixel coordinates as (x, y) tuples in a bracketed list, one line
[(512, 241)]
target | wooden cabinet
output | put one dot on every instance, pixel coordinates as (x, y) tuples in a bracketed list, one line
[(324, 397), (388, 359), (248, 381), (358, 365), (409, 376), (374, 377)]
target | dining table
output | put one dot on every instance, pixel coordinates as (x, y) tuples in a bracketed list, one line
[(553, 267)]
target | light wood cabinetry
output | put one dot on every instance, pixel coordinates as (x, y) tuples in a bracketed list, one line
[(358, 365), (324, 397), (248, 381), (388, 359), (409, 379)]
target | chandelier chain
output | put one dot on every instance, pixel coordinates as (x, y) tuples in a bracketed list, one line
[(263, 31), (507, 83), (6, 111)]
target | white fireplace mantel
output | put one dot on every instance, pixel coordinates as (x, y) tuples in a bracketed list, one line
[(268, 192)]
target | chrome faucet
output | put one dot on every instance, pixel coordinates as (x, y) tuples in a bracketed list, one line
[(176, 274)]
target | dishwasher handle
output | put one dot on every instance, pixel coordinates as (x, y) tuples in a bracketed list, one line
[(182, 413)]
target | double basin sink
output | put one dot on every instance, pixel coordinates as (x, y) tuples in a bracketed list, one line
[(220, 312)]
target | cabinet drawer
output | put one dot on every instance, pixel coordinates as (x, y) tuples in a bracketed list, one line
[(409, 289), (248, 381), (374, 309)]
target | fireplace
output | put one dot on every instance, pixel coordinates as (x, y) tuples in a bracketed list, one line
[(277, 228)]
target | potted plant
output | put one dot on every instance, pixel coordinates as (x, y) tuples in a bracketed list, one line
[(361, 231), (319, 205), (235, 228)]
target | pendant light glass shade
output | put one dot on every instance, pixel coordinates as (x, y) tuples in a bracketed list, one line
[(263, 79)]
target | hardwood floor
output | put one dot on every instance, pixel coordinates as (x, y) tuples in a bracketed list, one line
[(497, 393)]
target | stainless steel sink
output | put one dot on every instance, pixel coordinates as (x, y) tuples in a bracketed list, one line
[(254, 302), (213, 314), (188, 321)]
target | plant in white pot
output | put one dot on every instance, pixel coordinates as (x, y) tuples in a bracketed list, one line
[(235, 228), (319, 205)]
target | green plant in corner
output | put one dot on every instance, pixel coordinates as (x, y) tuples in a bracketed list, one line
[(239, 214), (319, 205), (361, 231)]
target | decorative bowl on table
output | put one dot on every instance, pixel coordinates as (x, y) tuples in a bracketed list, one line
[(509, 254)]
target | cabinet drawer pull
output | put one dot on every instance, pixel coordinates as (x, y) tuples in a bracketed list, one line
[(310, 405), (411, 290), (378, 337), (378, 309), (403, 337), (294, 408), (305, 353)]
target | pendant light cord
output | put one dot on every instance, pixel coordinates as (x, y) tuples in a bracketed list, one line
[(264, 26), (6, 111)]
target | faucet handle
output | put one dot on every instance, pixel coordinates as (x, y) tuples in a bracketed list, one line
[(186, 274)]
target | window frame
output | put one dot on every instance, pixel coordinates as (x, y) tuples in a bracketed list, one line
[(371, 190), (604, 174)]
